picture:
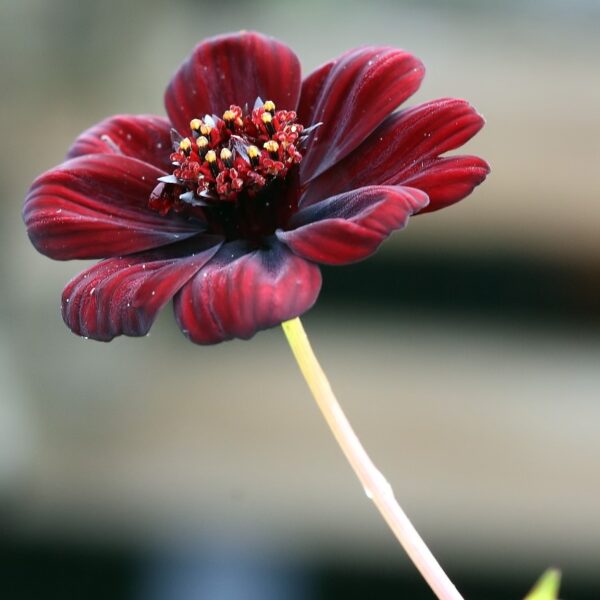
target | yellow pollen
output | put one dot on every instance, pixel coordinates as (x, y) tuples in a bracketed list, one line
[(195, 124), (228, 115), (271, 146), (211, 156), (253, 151), (205, 129), (266, 118), (269, 106), (185, 144), (202, 142), (225, 154)]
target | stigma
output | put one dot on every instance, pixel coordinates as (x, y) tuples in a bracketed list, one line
[(242, 151)]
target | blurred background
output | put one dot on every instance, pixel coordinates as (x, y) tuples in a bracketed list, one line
[(466, 353)]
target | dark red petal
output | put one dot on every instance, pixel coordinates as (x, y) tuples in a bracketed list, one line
[(232, 69), (145, 137), (402, 146), (351, 96), (310, 94), (351, 226), (122, 296), (95, 206), (448, 180), (241, 291)]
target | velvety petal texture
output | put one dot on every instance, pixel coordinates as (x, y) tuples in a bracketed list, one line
[(233, 69), (145, 137), (351, 96), (351, 226), (448, 180), (248, 207), (96, 206), (122, 296), (243, 290), (406, 144)]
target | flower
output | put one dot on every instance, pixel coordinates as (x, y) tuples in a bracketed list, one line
[(257, 176)]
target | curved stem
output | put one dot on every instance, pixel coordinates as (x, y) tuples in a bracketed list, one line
[(375, 485)]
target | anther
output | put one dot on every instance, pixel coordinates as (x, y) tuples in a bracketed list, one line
[(269, 106), (202, 144), (254, 155), (205, 129), (211, 159), (226, 156), (267, 119), (229, 118), (195, 125), (272, 147), (185, 146)]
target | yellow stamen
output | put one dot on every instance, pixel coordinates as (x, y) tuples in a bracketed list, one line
[(253, 155), (269, 106), (185, 145), (202, 144), (205, 129), (211, 159), (195, 124), (226, 156), (271, 146), (267, 119)]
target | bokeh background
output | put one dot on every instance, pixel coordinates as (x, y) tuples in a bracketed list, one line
[(466, 353)]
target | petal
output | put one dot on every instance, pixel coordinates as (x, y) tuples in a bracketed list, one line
[(351, 226), (95, 206), (448, 180), (122, 296), (145, 137), (400, 147), (351, 96), (232, 69), (242, 291)]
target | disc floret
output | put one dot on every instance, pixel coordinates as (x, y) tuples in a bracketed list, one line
[(240, 152)]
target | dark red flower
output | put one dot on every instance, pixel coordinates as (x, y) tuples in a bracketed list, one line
[(257, 176)]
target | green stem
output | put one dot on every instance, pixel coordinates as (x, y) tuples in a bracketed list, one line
[(374, 483)]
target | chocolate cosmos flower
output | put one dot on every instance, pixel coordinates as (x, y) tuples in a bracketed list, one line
[(257, 176)]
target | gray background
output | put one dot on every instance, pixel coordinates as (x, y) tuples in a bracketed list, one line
[(486, 425)]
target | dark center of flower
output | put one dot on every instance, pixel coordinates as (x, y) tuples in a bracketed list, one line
[(233, 172)]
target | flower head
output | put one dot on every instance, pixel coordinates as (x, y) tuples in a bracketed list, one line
[(256, 177)]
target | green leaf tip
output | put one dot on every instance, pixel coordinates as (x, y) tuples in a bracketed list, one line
[(547, 586)]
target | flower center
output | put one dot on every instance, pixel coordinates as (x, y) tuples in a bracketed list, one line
[(230, 168)]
